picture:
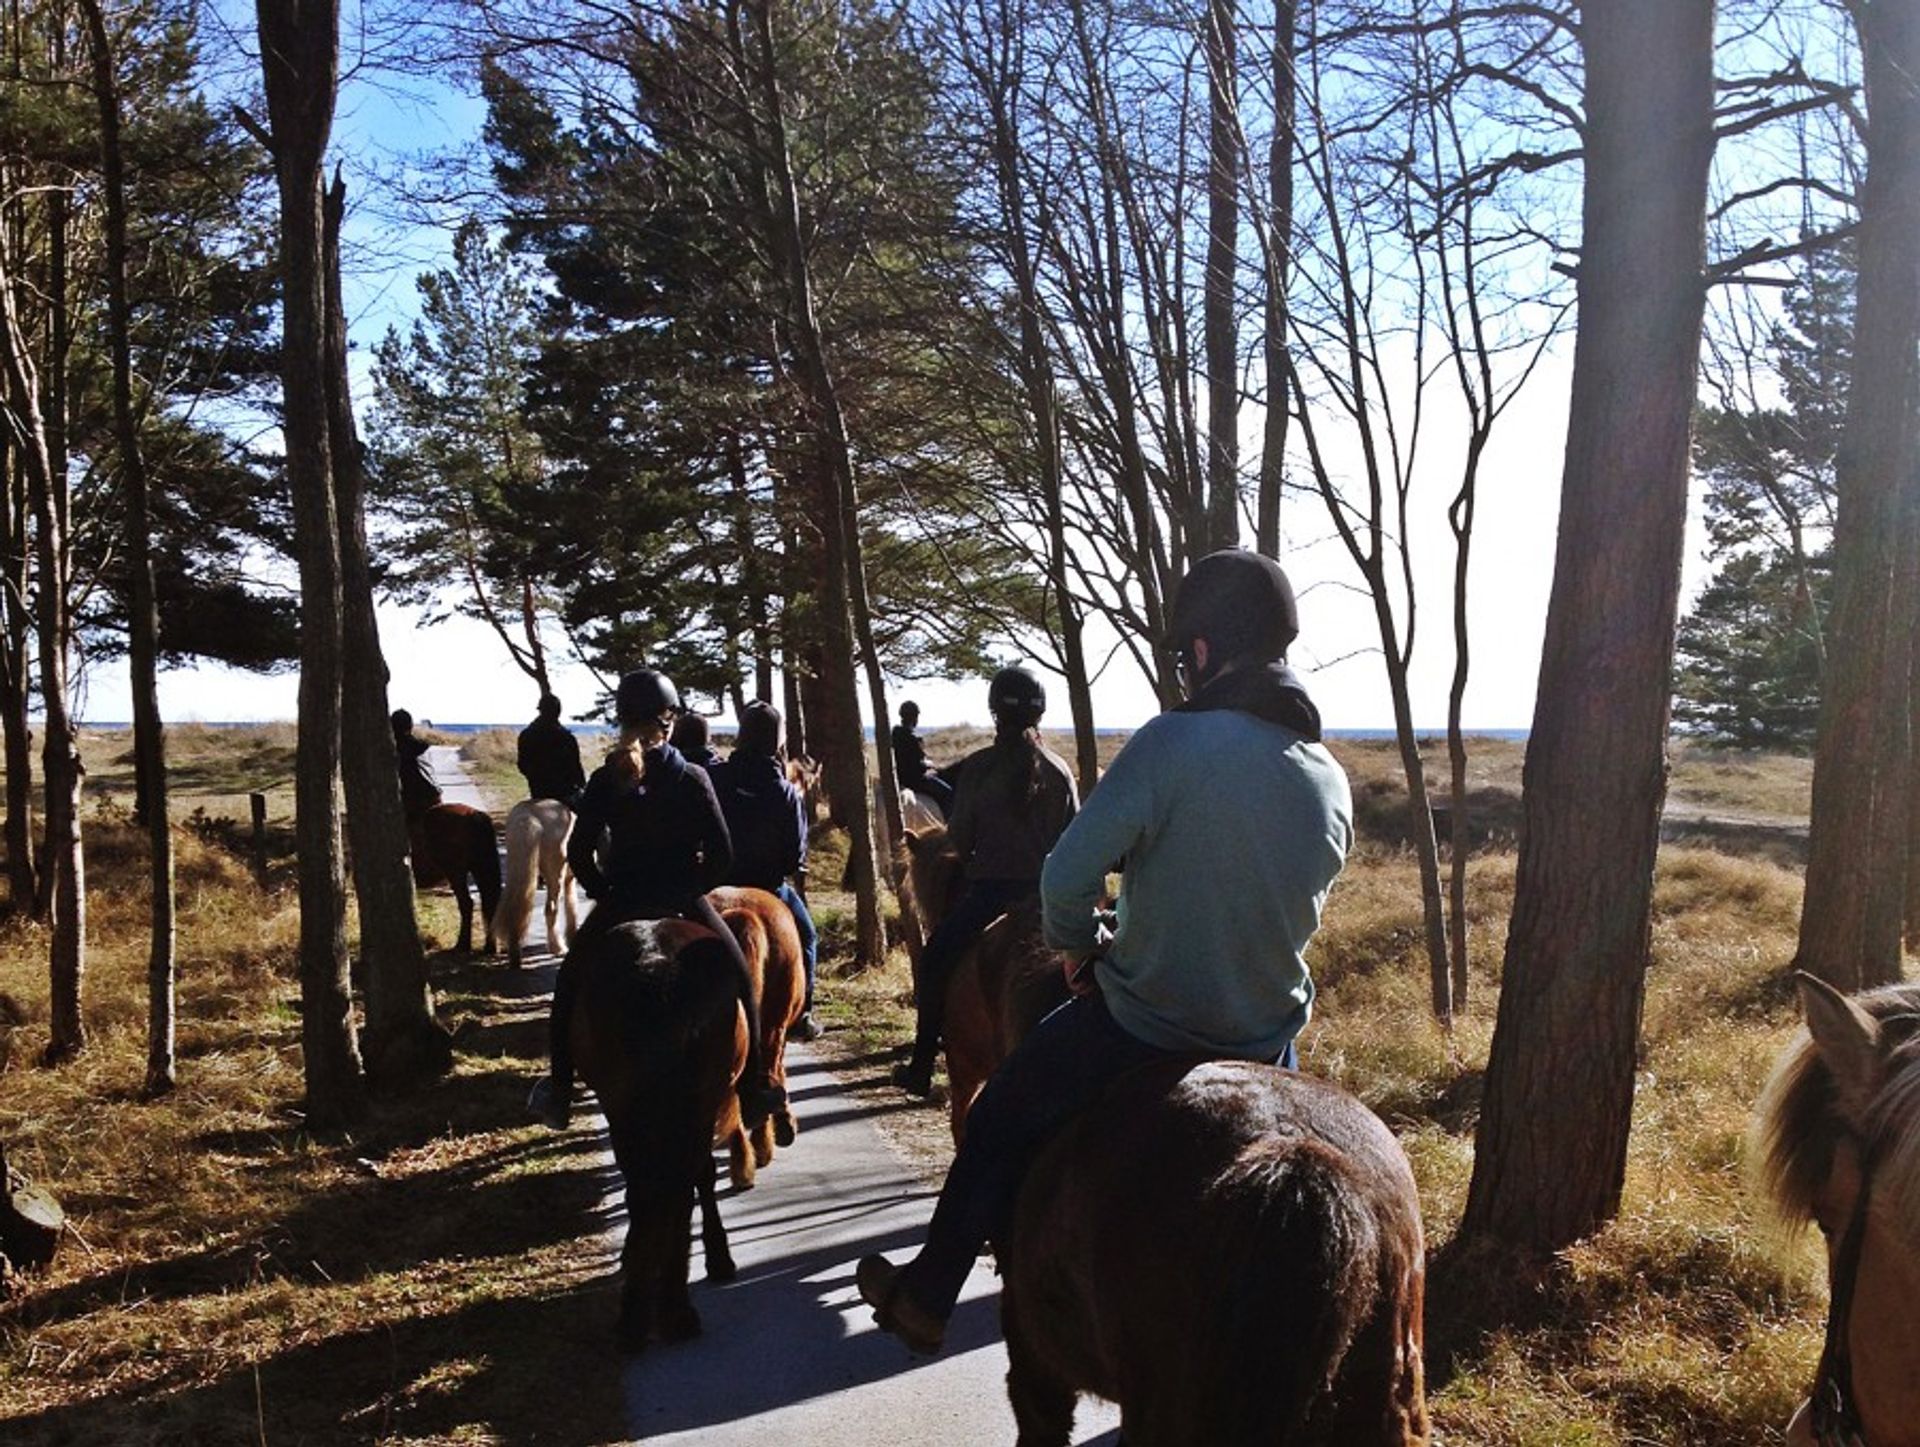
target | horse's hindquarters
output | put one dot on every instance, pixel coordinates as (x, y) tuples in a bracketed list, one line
[(1210, 1247)]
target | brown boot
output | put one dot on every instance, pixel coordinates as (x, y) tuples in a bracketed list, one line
[(894, 1309)]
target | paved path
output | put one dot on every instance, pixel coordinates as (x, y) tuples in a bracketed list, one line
[(450, 772)]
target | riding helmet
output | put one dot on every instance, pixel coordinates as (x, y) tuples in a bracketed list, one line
[(645, 694), (759, 735), (1016, 690), (1240, 602)]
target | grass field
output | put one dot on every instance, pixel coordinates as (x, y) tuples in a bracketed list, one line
[(438, 1276)]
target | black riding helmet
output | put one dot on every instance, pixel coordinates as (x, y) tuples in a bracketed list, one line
[(1240, 602), (1016, 691), (644, 694), (759, 735)]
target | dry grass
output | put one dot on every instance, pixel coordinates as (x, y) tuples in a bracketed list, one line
[(428, 1278)]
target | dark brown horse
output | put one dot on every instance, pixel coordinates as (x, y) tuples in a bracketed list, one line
[(1002, 986), (1839, 1132), (1230, 1251), (659, 1036), (453, 843)]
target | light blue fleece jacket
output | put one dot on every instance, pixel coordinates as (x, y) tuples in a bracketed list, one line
[(1232, 830)]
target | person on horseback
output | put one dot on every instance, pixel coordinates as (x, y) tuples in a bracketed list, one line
[(910, 764), (667, 845), (768, 821), (549, 755), (419, 790), (1232, 821), (694, 739), (1016, 797)]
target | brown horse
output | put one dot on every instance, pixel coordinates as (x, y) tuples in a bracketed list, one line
[(1839, 1135), (1002, 986), (453, 843), (658, 1034), (771, 942), (1230, 1251)]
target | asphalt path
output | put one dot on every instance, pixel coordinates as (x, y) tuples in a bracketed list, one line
[(790, 1356)]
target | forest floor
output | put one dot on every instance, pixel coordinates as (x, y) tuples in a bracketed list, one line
[(440, 1275)]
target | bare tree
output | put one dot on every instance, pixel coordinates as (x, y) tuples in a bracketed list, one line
[(300, 60), (1550, 1154), (1852, 918)]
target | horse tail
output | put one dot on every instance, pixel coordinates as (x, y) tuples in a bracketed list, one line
[(483, 851), (1293, 1263), (524, 834)]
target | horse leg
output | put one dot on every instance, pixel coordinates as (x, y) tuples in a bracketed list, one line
[(713, 1231), (464, 900), (763, 1143), (1042, 1403), (739, 1160), (677, 1319)]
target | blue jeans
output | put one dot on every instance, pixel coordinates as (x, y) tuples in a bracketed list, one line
[(809, 936), (1064, 1065), (984, 902)]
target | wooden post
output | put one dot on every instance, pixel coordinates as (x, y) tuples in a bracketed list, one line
[(258, 804)]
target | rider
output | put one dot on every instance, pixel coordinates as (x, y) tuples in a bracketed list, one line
[(1232, 821), (910, 764), (419, 790), (667, 845), (549, 755), (694, 739), (768, 821), (1017, 797)]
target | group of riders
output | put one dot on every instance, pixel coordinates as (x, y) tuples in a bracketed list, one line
[(1225, 816)]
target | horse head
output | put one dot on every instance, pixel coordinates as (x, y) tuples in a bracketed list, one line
[(930, 873), (1839, 1132)]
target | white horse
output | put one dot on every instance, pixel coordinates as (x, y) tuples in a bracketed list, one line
[(536, 832), (917, 815)]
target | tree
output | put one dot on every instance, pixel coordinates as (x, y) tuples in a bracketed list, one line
[(300, 58), (1749, 654), (1852, 916), (149, 733), (1550, 1153)]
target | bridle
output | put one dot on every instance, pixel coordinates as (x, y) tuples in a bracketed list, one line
[(1836, 1416)]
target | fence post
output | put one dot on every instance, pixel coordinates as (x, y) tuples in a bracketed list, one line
[(258, 804)]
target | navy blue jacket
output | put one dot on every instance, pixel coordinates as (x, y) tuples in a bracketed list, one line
[(765, 817), (667, 840)]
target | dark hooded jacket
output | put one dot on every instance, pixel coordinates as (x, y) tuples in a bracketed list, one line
[(766, 818), (667, 842), (549, 756)]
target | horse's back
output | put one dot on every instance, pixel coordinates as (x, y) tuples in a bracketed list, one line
[(651, 992), (1231, 1251)]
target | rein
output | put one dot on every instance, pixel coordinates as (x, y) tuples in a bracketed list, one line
[(1836, 1416)]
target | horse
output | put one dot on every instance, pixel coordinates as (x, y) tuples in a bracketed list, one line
[(1231, 1251), (452, 843), (659, 1036), (1838, 1141), (536, 837), (768, 937), (919, 813), (1001, 987)]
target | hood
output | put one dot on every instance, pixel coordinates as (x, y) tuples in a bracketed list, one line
[(1270, 691)]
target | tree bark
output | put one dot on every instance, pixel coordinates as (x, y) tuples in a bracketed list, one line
[(1273, 451), (300, 58), (149, 732), (1223, 226), (1850, 922), (16, 631), (403, 1042), (1552, 1142)]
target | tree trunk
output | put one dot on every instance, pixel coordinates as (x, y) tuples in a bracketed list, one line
[(1552, 1144), (62, 872), (149, 733), (1426, 851), (752, 573), (300, 57), (403, 1042), (16, 628), (1850, 922), (1223, 227), (1460, 520), (1273, 451)]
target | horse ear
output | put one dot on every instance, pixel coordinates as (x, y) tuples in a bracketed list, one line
[(1848, 1041)]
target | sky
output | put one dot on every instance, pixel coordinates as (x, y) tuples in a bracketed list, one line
[(457, 671)]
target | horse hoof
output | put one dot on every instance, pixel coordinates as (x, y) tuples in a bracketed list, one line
[(783, 1131), (721, 1268)]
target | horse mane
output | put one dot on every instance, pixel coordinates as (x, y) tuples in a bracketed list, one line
[(915, 849), (1798, 1123)]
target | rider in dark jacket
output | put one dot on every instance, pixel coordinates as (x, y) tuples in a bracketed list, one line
[(549, 755), (694, 738), (910, 764), (1015, 798), (768, 821), (419, 790), (667, 845)]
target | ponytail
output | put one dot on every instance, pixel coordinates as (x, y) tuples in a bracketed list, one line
[(1016, 739)]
